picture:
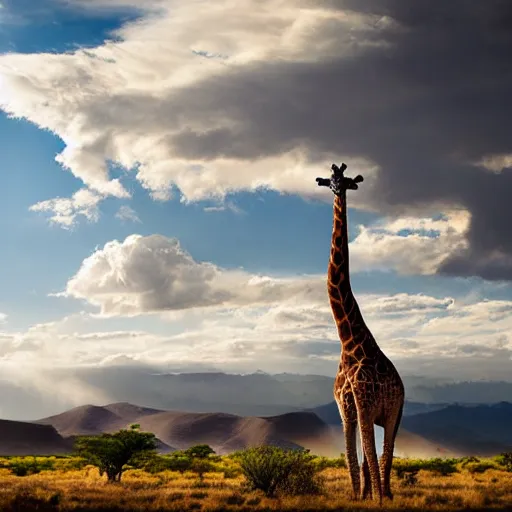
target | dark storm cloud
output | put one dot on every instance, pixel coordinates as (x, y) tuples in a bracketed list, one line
[(426, 100)]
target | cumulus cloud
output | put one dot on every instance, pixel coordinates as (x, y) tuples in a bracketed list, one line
[(153, 273), (410, 245), (64, 211)]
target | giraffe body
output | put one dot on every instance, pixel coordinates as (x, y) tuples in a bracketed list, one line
[(367, 388)]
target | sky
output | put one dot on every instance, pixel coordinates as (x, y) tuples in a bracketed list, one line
[(158, 200)]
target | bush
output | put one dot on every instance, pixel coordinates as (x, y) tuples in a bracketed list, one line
[(272, 469), (175, 462), (24, 466), (505, 460), (479, 467), (442, 467), (326, 463)]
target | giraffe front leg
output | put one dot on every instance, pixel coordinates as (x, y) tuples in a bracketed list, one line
[(367, 431), (350, 431)]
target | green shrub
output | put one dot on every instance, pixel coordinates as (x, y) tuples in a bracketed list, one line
[(438, 466), (505, 460), (173, 462), (272, 469), (326, 462), (479, 467), (24, 466), (442, 467)]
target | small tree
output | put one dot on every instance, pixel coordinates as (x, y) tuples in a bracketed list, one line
[(200, 459), (200, 451), (111, 452)]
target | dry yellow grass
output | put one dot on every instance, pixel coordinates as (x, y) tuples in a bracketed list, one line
[(85, 490)]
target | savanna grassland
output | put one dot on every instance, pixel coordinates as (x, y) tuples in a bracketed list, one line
[(62, 484)]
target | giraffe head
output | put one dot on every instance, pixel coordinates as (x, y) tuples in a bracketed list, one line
[(339, 183)]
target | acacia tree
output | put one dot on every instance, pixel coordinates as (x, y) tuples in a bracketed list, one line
[(111, 452)]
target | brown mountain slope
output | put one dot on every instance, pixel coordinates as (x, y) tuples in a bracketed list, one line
[(84, 420), (224, 432), (21, 438), (130, 413), (227, 432)]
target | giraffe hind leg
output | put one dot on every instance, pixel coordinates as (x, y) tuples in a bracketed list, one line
[(350, 432), (386, 462), (368, 441), (365, 479)]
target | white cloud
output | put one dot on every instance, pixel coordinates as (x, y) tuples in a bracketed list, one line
[(64, 211), (118, 103), (126, 213), (409, 245), (288, 336), (153, 273)]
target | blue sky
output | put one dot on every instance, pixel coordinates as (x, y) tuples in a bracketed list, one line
[(272, 220)]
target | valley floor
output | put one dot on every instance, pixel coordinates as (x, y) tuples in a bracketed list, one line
[(139, 491)]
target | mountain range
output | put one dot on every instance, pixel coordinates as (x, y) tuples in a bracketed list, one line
[(234, 411), (453, 430)]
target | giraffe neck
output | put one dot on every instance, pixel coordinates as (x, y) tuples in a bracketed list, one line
[(352, 329)]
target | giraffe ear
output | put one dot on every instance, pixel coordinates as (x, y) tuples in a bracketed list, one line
[(358, 179), (323, 182)]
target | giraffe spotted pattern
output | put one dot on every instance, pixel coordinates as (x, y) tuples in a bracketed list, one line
[(368, 388)]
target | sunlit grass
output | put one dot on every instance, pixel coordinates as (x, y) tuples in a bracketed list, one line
[(84, 489)]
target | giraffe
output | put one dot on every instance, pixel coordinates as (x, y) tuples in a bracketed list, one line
[(367, 387)]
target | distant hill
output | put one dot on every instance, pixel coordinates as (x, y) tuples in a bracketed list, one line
[(224, 432), (457, 429), (84, 420), (21, 438), (330, 413), (229, 432), (476, 430)]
